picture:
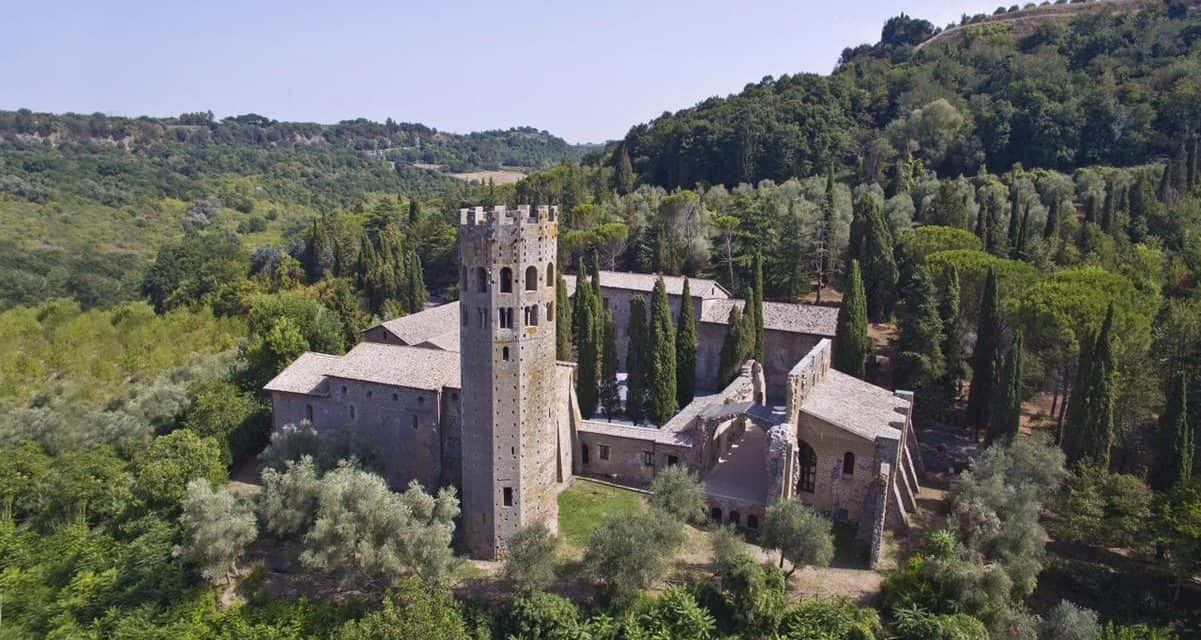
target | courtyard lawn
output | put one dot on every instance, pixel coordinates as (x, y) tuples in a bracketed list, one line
[(585, 503)]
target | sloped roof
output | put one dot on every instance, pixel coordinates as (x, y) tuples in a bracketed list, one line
[(426, 324), (779, 316), (395, 365), (856, 406), (697, 287)]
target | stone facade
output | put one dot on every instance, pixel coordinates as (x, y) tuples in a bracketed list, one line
[(507, 350)]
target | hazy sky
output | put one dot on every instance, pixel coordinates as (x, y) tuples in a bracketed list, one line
[(584, 70)]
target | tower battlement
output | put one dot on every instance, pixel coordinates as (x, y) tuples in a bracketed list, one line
[(502, 215)]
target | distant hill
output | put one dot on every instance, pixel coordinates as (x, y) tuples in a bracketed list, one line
[(1061, 86)]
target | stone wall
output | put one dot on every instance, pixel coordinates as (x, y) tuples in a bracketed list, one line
[(626, 462), (617, 301), (837, 493), (782, 350), (404, 425)]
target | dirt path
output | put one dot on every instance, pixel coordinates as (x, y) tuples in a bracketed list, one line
[(1038, 13)]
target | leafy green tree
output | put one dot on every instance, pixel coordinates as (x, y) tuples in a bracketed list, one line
[(636, 361), (531, 557), (373, 538), (412, 609), (1176, 438), (193, 268), (676, 491), (85, 486), (537, 615), (756, 308), (831, 619), (732, 355), (23, 470), (920, 359), (288, 503), (1005, 412), (217, 526), (340, 298), (1179, 525), (802, 536), (984, 356), (851, 342), (661, 353), (562, 329), (233, 417), (627, 553), (676, 614), (164, 470), (610, 394), (686, 341), (1106, 509)]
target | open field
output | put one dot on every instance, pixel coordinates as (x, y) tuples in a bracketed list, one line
[(504, 176)]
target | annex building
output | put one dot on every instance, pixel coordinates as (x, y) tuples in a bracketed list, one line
[(469, 394)]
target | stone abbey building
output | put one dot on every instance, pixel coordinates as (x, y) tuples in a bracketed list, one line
[(469, 394)]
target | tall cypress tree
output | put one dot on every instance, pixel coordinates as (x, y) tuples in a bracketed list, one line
[(731, 356), (920, 360), (686, 349), (952, 335), (414, 213), (598, 309), (878, 264), (984, 356), (1006, 410), (610, 396), (1052, 223), (636, 361), (415, 292), (1175, 442), (759, 351), (1090, 429), (851, 342), (589, 360), (623, 171), (824, 266), (1072, 437), (562, 326), (661, 404)]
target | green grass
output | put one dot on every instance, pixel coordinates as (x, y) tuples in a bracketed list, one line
[(583, 505)]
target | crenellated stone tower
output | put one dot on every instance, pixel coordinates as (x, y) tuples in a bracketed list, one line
[(507, 356)]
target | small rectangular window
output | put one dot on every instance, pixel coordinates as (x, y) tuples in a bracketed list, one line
[(604, 452), (508, 491), (648, 459), (672, 461)]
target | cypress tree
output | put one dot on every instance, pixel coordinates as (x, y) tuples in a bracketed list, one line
[(415, 283), (1006, 411), (759, 350), (731, 356), (952, 343), (984, 356), (1176, 438), (589, 349), (661, 404), (597, 308), (636, 361), (1090, 430), (1072, 437), (1052, 223), (414, 213), (686, 349), (827, 225), (920, 360), (1015, 220), (851, 342), (1191, 168), (623, 171), (562, 329), (610, 396), (879, 266)]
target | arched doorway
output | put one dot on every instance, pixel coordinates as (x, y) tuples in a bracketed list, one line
[(807, 459)]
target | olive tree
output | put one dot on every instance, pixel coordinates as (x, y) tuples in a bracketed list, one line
[(802, 536), (217, 526)]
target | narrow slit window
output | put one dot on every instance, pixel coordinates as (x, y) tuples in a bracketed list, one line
[(508, 496)]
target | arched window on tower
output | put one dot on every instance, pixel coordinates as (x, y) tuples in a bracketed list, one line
[(848, 463), (550, 274), (481, 277), (531, 278), (506, 280), (807, 479)]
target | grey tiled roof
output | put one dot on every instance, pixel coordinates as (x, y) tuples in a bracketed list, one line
[(779, 316), (304, 375), (697, 287), (856, 406), (396, 365), (632, 432), (426, 324)]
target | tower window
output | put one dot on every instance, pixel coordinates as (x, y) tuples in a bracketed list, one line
[(352, 412), (395, 397), (550, 274), (481, 277), (648, 459), (506, 317), (308, 412), (506, 280), (848, 463), (531, 316), (504, 353), (550, 311), (531, 278), (604, 451), (508, 496), (414, 423), (483, 313)]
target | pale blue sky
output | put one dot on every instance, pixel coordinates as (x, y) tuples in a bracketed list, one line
[(584, 70)]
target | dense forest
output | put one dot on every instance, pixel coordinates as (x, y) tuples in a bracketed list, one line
[(1015, 207)]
